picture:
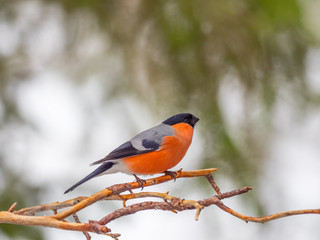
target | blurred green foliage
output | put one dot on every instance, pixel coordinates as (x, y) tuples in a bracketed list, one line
[(188, 51)]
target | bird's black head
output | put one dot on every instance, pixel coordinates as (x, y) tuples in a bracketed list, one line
[(182, 118)]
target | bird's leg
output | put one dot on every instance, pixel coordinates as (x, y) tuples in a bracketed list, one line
[(172, 174), (140, 181)]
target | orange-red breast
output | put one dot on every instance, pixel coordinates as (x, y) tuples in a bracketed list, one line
[(152, 151)]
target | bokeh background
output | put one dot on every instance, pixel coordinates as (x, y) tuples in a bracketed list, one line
[(78, 78)]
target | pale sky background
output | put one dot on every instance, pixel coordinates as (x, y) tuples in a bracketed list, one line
[(58, 110)]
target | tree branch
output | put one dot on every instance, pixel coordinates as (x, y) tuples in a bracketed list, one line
[(119, 188), (27, 216), (267, 218)]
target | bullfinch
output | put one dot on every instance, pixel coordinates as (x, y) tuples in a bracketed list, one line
[(152, 151)]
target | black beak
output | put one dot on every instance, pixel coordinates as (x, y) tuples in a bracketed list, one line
[(194, 120)]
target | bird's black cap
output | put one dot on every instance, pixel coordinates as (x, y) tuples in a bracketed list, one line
[(182, 118)]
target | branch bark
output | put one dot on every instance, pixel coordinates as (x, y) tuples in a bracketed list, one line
[(27, 216)]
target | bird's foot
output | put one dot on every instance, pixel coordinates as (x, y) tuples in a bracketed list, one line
[(140, 181), (172, 174)]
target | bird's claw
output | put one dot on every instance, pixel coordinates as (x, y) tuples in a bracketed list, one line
[(172, 174), (140, 181)]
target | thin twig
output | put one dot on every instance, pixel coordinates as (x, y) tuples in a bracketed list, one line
[(213, 183), (11, 209), (113, 235), (267, 218), (77, 220), (50, 206)]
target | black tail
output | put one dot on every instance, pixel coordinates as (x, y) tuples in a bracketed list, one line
[(104, 167)]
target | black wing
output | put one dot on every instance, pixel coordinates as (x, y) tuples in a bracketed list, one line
[(127, 150)]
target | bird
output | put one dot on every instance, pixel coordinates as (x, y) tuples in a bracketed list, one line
[(153, 151)]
